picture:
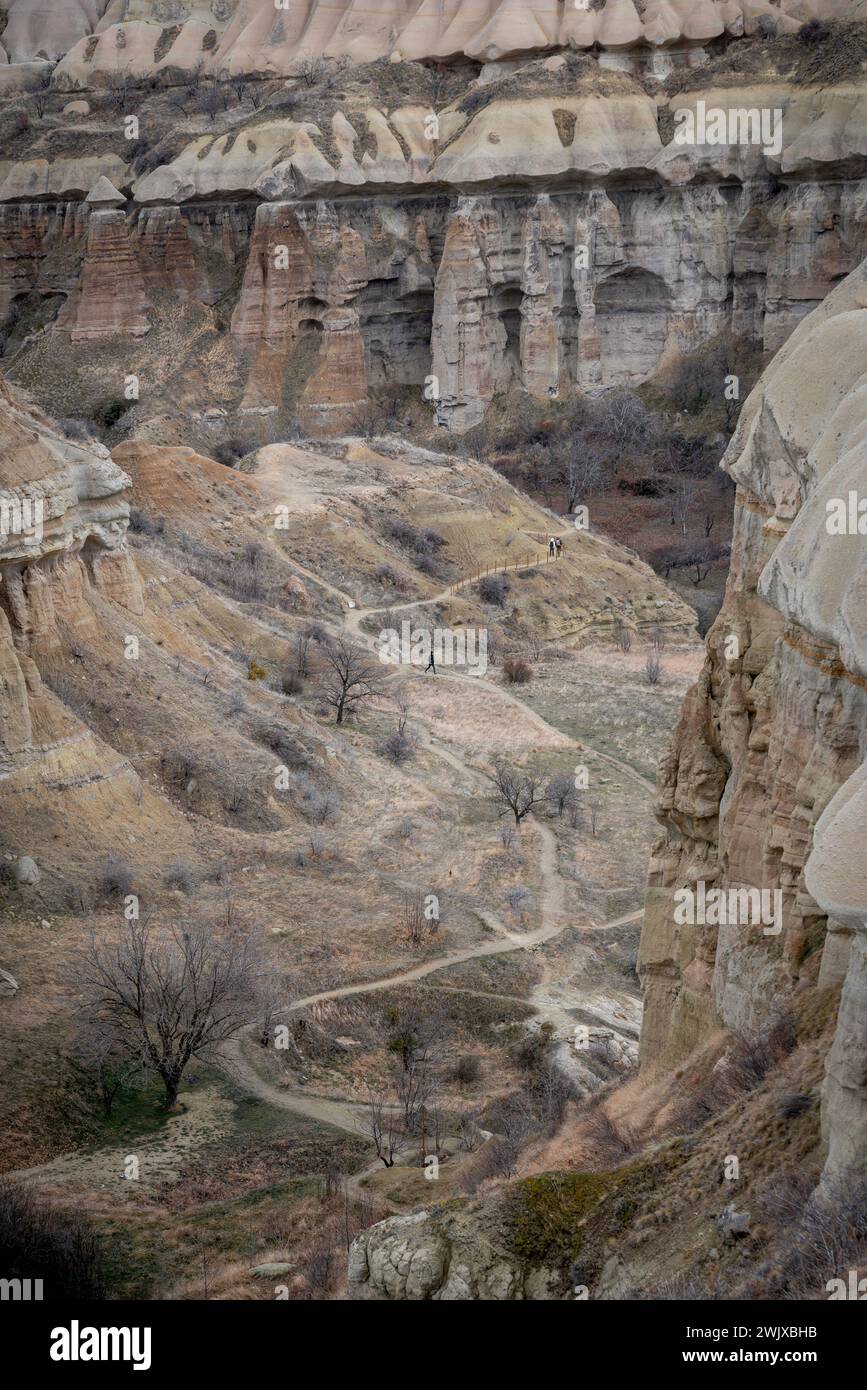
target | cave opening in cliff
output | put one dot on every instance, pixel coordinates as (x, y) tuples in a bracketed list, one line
[(507, 306), (632, 311)]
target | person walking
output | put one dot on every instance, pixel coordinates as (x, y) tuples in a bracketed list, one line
[(552, 548), (431, 666)]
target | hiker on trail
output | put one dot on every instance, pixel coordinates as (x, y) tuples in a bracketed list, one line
[(552, 548), (559, 547), (431, 666)]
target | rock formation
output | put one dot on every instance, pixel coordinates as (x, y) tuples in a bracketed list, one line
[(764, 785), (545, 229), (255, 36)]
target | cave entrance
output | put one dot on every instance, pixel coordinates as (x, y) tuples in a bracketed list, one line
[(507, 306), (632, 311)]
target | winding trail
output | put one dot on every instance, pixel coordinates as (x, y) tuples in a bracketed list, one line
[(349, 1115)]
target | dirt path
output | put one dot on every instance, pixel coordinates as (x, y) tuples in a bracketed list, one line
[(164, 1152), (347, 1115)]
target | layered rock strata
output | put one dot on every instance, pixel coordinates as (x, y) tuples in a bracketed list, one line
[(100, 37), (764, 784)]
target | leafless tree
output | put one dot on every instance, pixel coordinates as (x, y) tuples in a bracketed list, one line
[(383, 1125), (213, 99), (562, 792), (100, 1055), (271, 997), (682, 497), (518, 791), (169, 998), (412, 918), (415, 1085), (468, 1132), (349, 678), (699, 560), (301, 649), (507, 836), (577, 467), (653, 670), (311, 70)]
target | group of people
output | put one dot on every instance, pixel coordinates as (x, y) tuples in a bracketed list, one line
[(555, 545)]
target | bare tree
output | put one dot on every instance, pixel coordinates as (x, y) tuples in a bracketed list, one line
[(100, 1055), (507, 836), (577, 467), (415, 1084), (653, 670), (271, 996), (412, 918), (349, 678), (384, 1127), (700, 558), (518, 791), (311, 632), (170, 998), (311, 70), (682, 496), (562, 792)]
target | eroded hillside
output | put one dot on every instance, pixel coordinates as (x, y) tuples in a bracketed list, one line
[(695, 1179), (168, 741)]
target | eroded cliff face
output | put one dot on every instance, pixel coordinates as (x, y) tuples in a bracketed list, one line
[(764, 785), (255, 36), (64, 568), (542, 230)]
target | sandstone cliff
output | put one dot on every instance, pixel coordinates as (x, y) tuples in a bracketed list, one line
[(521, 220), (251, 36), (764, 784)]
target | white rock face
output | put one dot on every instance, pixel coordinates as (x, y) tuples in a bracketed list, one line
[(425, 1256), (766, 784), (251, 36)]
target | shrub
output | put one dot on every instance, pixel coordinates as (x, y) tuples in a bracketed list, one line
[(75, 429), (180, 876), (315, 805), (791, 1106), (517, 670), (814, 32), (411, 538), (493, 588), (398, 748), (291, 683), (37, 1242), (468, 1070), (109, 411), (143, 525), (287, 748), (115, 879), (653, 670)]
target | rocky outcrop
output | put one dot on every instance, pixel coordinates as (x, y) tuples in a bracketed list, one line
[(110, 297), (764, 785), (98, 37), (562, 237), (64, 519), (442, 1257), (460, 299)]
